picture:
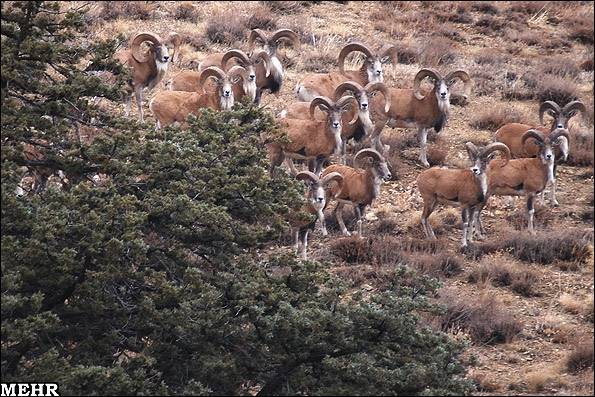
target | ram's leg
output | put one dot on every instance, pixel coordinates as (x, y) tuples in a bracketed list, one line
[(553, 201), (471, 232), (128, 105), (429, 205), (258, 96), (478, 229), (344, 152), (358, 214), (304, 246), (465, 216), (531, 212), (138, 94), (422, 136), (339, 215), (322, 222), (296, 239)]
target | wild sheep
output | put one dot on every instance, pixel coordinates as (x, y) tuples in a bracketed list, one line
[(316, 202), (312, 140), (412, 108), (524, 176), (370, 72), (466, 187), (171, 106), (362, 128), (360, 186), (148, 66), (512, 135), (271, 42), (188, 80)]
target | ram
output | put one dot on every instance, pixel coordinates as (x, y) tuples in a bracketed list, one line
[(371, 71), (316, 202), (360, 187), (175, 106), (467, 188), (189, 80), (412, 108), (148, 67), (312, 140), (363, 127), (524, 176), (512, 135)]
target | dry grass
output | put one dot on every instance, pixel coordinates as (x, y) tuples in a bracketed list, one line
[(484, 319), (581, 149), (572, 245), (126, 9), (581, 29), (587, 64), (539, 379), (560, 66), (437, 266), (226, 27), (581, 358), (436, 51), (520, 280), (186, 11), (571, 303), (262, 18), (495, 117), (558, 89)]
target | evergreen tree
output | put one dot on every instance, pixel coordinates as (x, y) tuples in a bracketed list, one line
[(154, 281)]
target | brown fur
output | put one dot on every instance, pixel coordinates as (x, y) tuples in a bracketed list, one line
[(512, 136), (357, 184), (189, 81), (406, 109), (171, 106), (301, 110), (449, 185), (528, 173)]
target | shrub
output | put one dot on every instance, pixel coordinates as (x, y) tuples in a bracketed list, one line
[(561, 67), (186, 11), (495, 117), (581, 29), (262, 19), (521, 281), (126, 9), (226, 28), (581, 149), (558, 89), (581, 357), (485, 7), (587, 64), (568, 245), (442, 265), (436, 51), (484, 319)]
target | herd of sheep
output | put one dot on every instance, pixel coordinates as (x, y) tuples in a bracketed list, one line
[(339, 106)]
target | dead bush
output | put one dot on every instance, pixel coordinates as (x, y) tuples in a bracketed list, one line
[(546, 247), (523, 282), (486, 7), (581, 29), (558, 89), (126, 9), (490, 25), (484, 319), (519, 280), (581, 357), (437, 51), (386, 225), (518, 218), (561, 67), (435, 265), (495, 117), (286, 7), (262, 19), (226, 27), (581, 149), (527, 7), (587, 64), (186, 11), (373, 250)]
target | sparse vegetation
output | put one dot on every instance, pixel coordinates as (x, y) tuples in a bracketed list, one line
[(126, 9), (581, 357), (484, 318), (521, 281), (581, 149), (186, 11), (495, 117), (226, 28)]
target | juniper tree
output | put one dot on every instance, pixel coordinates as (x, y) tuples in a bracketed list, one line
[(156, 280)]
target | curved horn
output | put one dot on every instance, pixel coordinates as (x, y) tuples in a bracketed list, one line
[(367, 153), (333, 176), (465, 78), (420, 76), (175, 39), (548, 105), (211, 71), (344, 101), (371, 87), (318, 101), (256, 34), (305, 175), (574, 105), (535, 134), (138, 40), (472, 150), (239, 54), (286, 34), (348, 86), (390, 51), (348, 49), (496, 146), (237, 70), (557, 133), (266, 59)]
